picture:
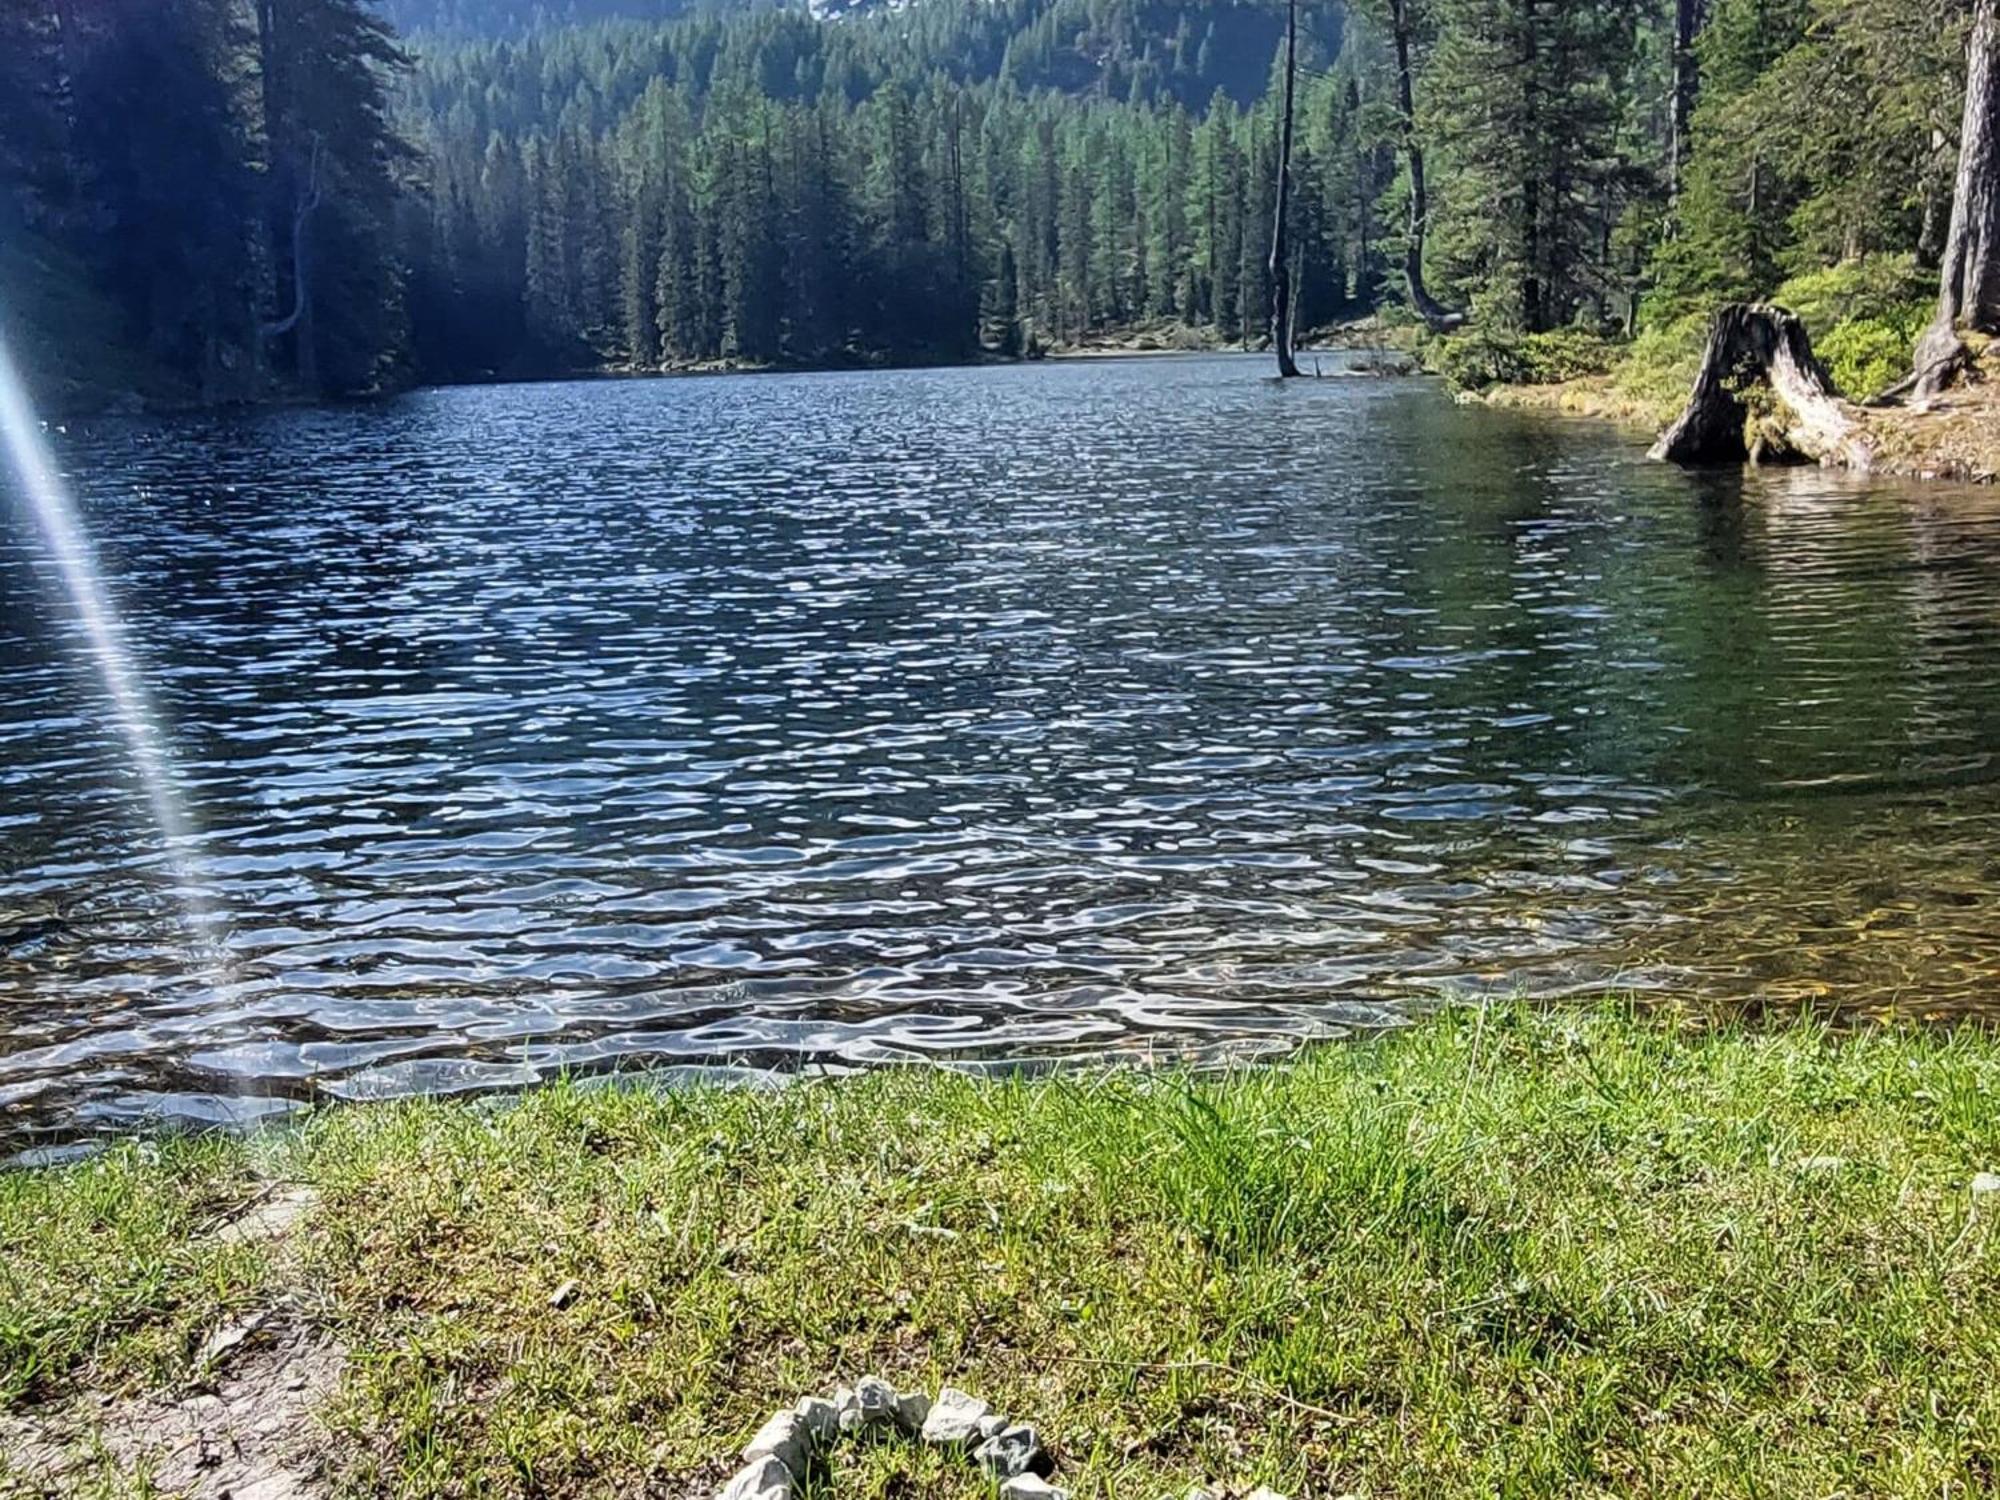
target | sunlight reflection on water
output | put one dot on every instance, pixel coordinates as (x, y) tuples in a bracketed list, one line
[(1049, 712)]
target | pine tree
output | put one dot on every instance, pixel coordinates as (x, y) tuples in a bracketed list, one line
[(325, 68)]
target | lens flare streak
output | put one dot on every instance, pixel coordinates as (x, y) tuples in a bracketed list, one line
[(49, 506)]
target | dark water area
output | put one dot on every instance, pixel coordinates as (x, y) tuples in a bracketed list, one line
[(1141, 708)]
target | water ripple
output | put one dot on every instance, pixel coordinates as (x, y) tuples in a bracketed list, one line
[(986, 717)]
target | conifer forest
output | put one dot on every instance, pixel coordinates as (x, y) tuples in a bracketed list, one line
[(339, 196)]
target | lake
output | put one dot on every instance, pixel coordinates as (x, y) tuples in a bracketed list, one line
[(1140, 708)]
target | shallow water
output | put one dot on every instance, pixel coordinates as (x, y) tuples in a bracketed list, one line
[(1134, 707)]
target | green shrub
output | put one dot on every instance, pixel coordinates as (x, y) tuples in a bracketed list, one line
[(1481, 357), (1477, 358), (1568, 354), (1865, 356), (1865, 317), (1887, 289), (1660, 364)]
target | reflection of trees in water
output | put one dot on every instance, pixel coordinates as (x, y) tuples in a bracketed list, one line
[(1833, 688)]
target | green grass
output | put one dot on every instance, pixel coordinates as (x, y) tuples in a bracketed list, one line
[(112, 1265), (1502, 1253)]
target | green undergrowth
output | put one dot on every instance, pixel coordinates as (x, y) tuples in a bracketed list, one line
[(1864, 315), (1503, 1252)]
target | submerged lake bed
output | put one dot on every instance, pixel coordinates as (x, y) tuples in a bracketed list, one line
[(1138, 708)]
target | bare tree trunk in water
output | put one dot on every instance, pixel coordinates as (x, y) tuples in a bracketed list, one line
[(1688, 17), (1427, 307), (1281, 258), (1969, 280)]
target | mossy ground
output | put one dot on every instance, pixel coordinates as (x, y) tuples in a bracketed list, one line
[(1865, 317), (1504, 1252)]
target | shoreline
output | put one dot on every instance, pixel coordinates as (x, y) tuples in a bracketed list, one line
[(1953, 439), (60, 398), (1545, 1249)]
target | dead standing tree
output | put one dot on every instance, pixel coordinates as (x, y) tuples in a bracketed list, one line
[(1281, 255)]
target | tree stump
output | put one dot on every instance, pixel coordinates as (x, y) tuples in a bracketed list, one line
[(1752, 346)]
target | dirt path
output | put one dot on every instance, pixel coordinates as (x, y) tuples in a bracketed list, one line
[(246, 1426)]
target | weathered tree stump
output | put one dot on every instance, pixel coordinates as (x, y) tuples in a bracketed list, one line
[(1752, 346)]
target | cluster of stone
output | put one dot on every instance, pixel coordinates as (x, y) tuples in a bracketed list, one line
[(785, 1447)]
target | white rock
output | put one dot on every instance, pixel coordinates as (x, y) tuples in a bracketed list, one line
[(1007, 1454), (766, 1479), (992, 1426), (875, 1400), (226, 1339), (956, 1418), (847, 1409), (913, 1409), (1196, 1492), (1986, 1185), (1260, 1493), (786, 1438), (822, 1419), (1031, 1487)]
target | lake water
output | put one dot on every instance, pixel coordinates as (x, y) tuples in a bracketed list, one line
[(1142, 708)]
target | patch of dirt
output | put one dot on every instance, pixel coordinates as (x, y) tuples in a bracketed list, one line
[(1954, 436), (248, 1429)]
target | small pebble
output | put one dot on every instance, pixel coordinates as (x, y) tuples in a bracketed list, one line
[(1008, 1454), (1031, 1487), (912, 1408), (1986, 1185), (874, 1400)]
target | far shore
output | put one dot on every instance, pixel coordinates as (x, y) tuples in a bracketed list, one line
[(62, 399)]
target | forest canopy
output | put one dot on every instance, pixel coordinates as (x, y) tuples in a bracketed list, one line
[(318, 204)]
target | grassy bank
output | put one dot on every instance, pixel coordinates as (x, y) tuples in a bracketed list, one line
[(1506, 1253), (1865, 317)]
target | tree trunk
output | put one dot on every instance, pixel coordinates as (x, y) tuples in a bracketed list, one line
[(1751, 345), (1281, 258), (1969, 280), (1688, 16), (296, 194), (1531, 190), (1427, 307)]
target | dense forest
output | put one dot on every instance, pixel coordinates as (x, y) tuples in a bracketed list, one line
[(318, 204)]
